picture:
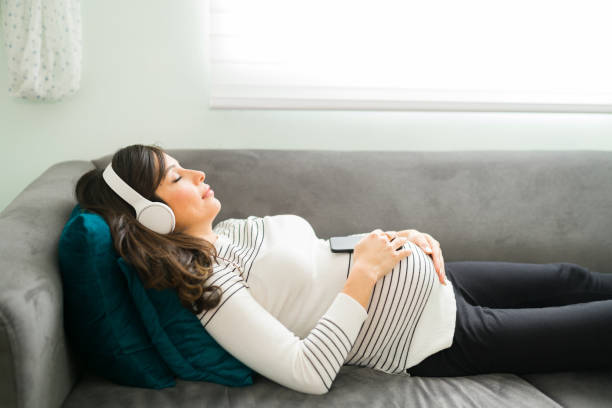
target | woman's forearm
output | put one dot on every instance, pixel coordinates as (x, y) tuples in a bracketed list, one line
[(360, 284)]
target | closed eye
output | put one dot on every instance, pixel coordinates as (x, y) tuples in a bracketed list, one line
[(177, 179)]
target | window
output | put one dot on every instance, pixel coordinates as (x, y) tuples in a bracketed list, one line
[(477, 55)]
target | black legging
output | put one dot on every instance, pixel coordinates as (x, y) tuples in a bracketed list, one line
[(525, 318)]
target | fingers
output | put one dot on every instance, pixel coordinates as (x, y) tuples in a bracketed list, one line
[(391, 235), (429, 243), (377, 233), (426, 242), (438, 260), (388, 235), (443, 270), (437, 257), (439, 265), (406, 251), (398, 243)]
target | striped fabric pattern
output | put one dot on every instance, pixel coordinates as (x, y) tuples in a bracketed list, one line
[(225, 274), (394, 311), (326, 348)]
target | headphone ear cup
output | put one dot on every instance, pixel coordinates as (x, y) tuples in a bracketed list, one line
[(157, 217)]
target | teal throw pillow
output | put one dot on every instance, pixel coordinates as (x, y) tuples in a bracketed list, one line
[(180, 338), (101, 320)]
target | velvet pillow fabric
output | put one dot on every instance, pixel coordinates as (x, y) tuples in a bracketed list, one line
[(100, 318), (179, 337)]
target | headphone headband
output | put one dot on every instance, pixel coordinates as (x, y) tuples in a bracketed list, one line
[(122, 188), (155, 216)]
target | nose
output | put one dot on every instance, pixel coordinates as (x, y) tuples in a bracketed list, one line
[(200, 176)]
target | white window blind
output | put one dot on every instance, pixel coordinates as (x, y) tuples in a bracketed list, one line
[(479, 55)]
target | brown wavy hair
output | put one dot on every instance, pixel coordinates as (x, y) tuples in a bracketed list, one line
[(175, 260)]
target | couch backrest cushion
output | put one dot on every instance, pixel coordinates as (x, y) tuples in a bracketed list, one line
[(100, 318)]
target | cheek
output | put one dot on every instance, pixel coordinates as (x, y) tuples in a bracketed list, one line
[(183, 197), (182, 201)]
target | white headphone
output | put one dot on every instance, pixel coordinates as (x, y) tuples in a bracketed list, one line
[(155, 216)]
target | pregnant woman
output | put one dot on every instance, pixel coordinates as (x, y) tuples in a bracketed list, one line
[(273, 294)]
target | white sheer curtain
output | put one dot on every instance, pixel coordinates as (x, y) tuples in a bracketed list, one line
[(42, 39)]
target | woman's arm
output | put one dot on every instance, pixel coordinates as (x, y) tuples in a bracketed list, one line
[(360, 284), (252, 335)]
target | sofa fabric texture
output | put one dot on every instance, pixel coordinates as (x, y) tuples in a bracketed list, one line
[(518, 206)]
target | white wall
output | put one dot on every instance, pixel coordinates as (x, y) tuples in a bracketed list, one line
[(144, 81)]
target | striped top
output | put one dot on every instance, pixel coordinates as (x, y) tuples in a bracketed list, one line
[(287, 319)]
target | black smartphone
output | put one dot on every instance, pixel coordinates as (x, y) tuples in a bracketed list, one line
[(346, 243)]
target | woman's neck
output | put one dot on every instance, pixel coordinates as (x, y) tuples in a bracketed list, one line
[(208, 235)]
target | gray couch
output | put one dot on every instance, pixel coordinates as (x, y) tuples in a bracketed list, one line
[(530, 206)]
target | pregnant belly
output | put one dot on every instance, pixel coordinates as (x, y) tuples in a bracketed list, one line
[(397, 302)]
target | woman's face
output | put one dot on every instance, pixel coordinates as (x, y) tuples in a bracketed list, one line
[(184, 191)]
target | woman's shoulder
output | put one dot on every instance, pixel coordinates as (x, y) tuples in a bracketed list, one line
[(235, 224), (255, 218), (256, 224), (234, 221)]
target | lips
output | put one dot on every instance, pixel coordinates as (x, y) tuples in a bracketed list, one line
[(206, 192)]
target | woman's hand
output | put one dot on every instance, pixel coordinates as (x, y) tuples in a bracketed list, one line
[(377, 255), (428, 244)]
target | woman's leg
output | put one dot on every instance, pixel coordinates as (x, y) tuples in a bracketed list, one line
[(525, 340), (510, 332), (516, 285)]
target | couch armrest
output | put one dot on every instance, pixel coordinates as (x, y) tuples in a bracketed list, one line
[(8, 397), (37, 369)]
